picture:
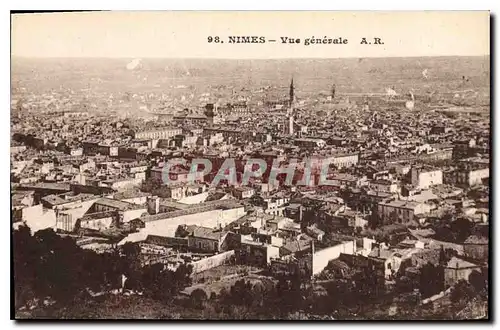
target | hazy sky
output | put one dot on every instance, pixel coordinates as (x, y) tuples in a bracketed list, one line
[(184, 34)]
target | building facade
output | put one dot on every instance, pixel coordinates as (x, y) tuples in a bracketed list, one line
[(400, 211), (425, 178), (161, 133)]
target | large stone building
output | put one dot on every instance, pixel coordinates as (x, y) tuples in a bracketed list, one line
[(476, 248), (423, 178), (214, 214), (204, 239), (467, 176), (159, 133), (458, 269), (400, 211), (344, 160)]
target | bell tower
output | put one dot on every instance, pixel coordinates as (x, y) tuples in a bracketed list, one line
[(290, 109)]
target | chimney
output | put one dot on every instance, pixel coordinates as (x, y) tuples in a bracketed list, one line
[(300, 213)]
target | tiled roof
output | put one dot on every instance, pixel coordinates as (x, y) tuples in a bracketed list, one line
[(204, 232), (54, 199), (130, 194), (198, 208), (121, 205), (456, 263), (296, 246), (99, 215)]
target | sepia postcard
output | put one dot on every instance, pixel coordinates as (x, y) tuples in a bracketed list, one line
[(250, 165)]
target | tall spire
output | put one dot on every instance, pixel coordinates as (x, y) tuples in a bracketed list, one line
[(290, 109)]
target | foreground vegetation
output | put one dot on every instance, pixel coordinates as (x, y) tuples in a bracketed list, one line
[(56, 279)]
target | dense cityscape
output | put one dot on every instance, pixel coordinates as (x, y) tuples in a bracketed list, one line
[(102, 229)]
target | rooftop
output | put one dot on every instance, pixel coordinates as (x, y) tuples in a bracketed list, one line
[(344, 177), (198, 208), (46, 185), (381, 253), (204, 232), (116, 204), (159, 129), (401, 204), (174, 204), (66, 198), (297, 245), (457, 263), (99, 215), (130, 194)]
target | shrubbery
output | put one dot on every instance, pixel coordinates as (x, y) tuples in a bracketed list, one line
[(47, 265)]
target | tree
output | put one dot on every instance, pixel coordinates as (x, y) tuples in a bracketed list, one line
[(25, 257), (59, 269), (461, 229), (47, 264), (157, 282), (182, 276), (405, 284), (368, 281), (131, 252), (448, 216), (151, 185), (240, 293), (374, 220), (431, 280), (479, 280), (288, 293), (463, 291), (394, 217), (198, 298), (258, 293), (338, 292)]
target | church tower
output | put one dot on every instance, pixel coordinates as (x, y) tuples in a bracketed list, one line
[(290, 110)]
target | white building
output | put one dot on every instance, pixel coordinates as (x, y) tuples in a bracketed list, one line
[(161, 133), (425, 177), (214, 214)]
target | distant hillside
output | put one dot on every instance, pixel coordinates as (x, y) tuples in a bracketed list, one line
[(311, 75)]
